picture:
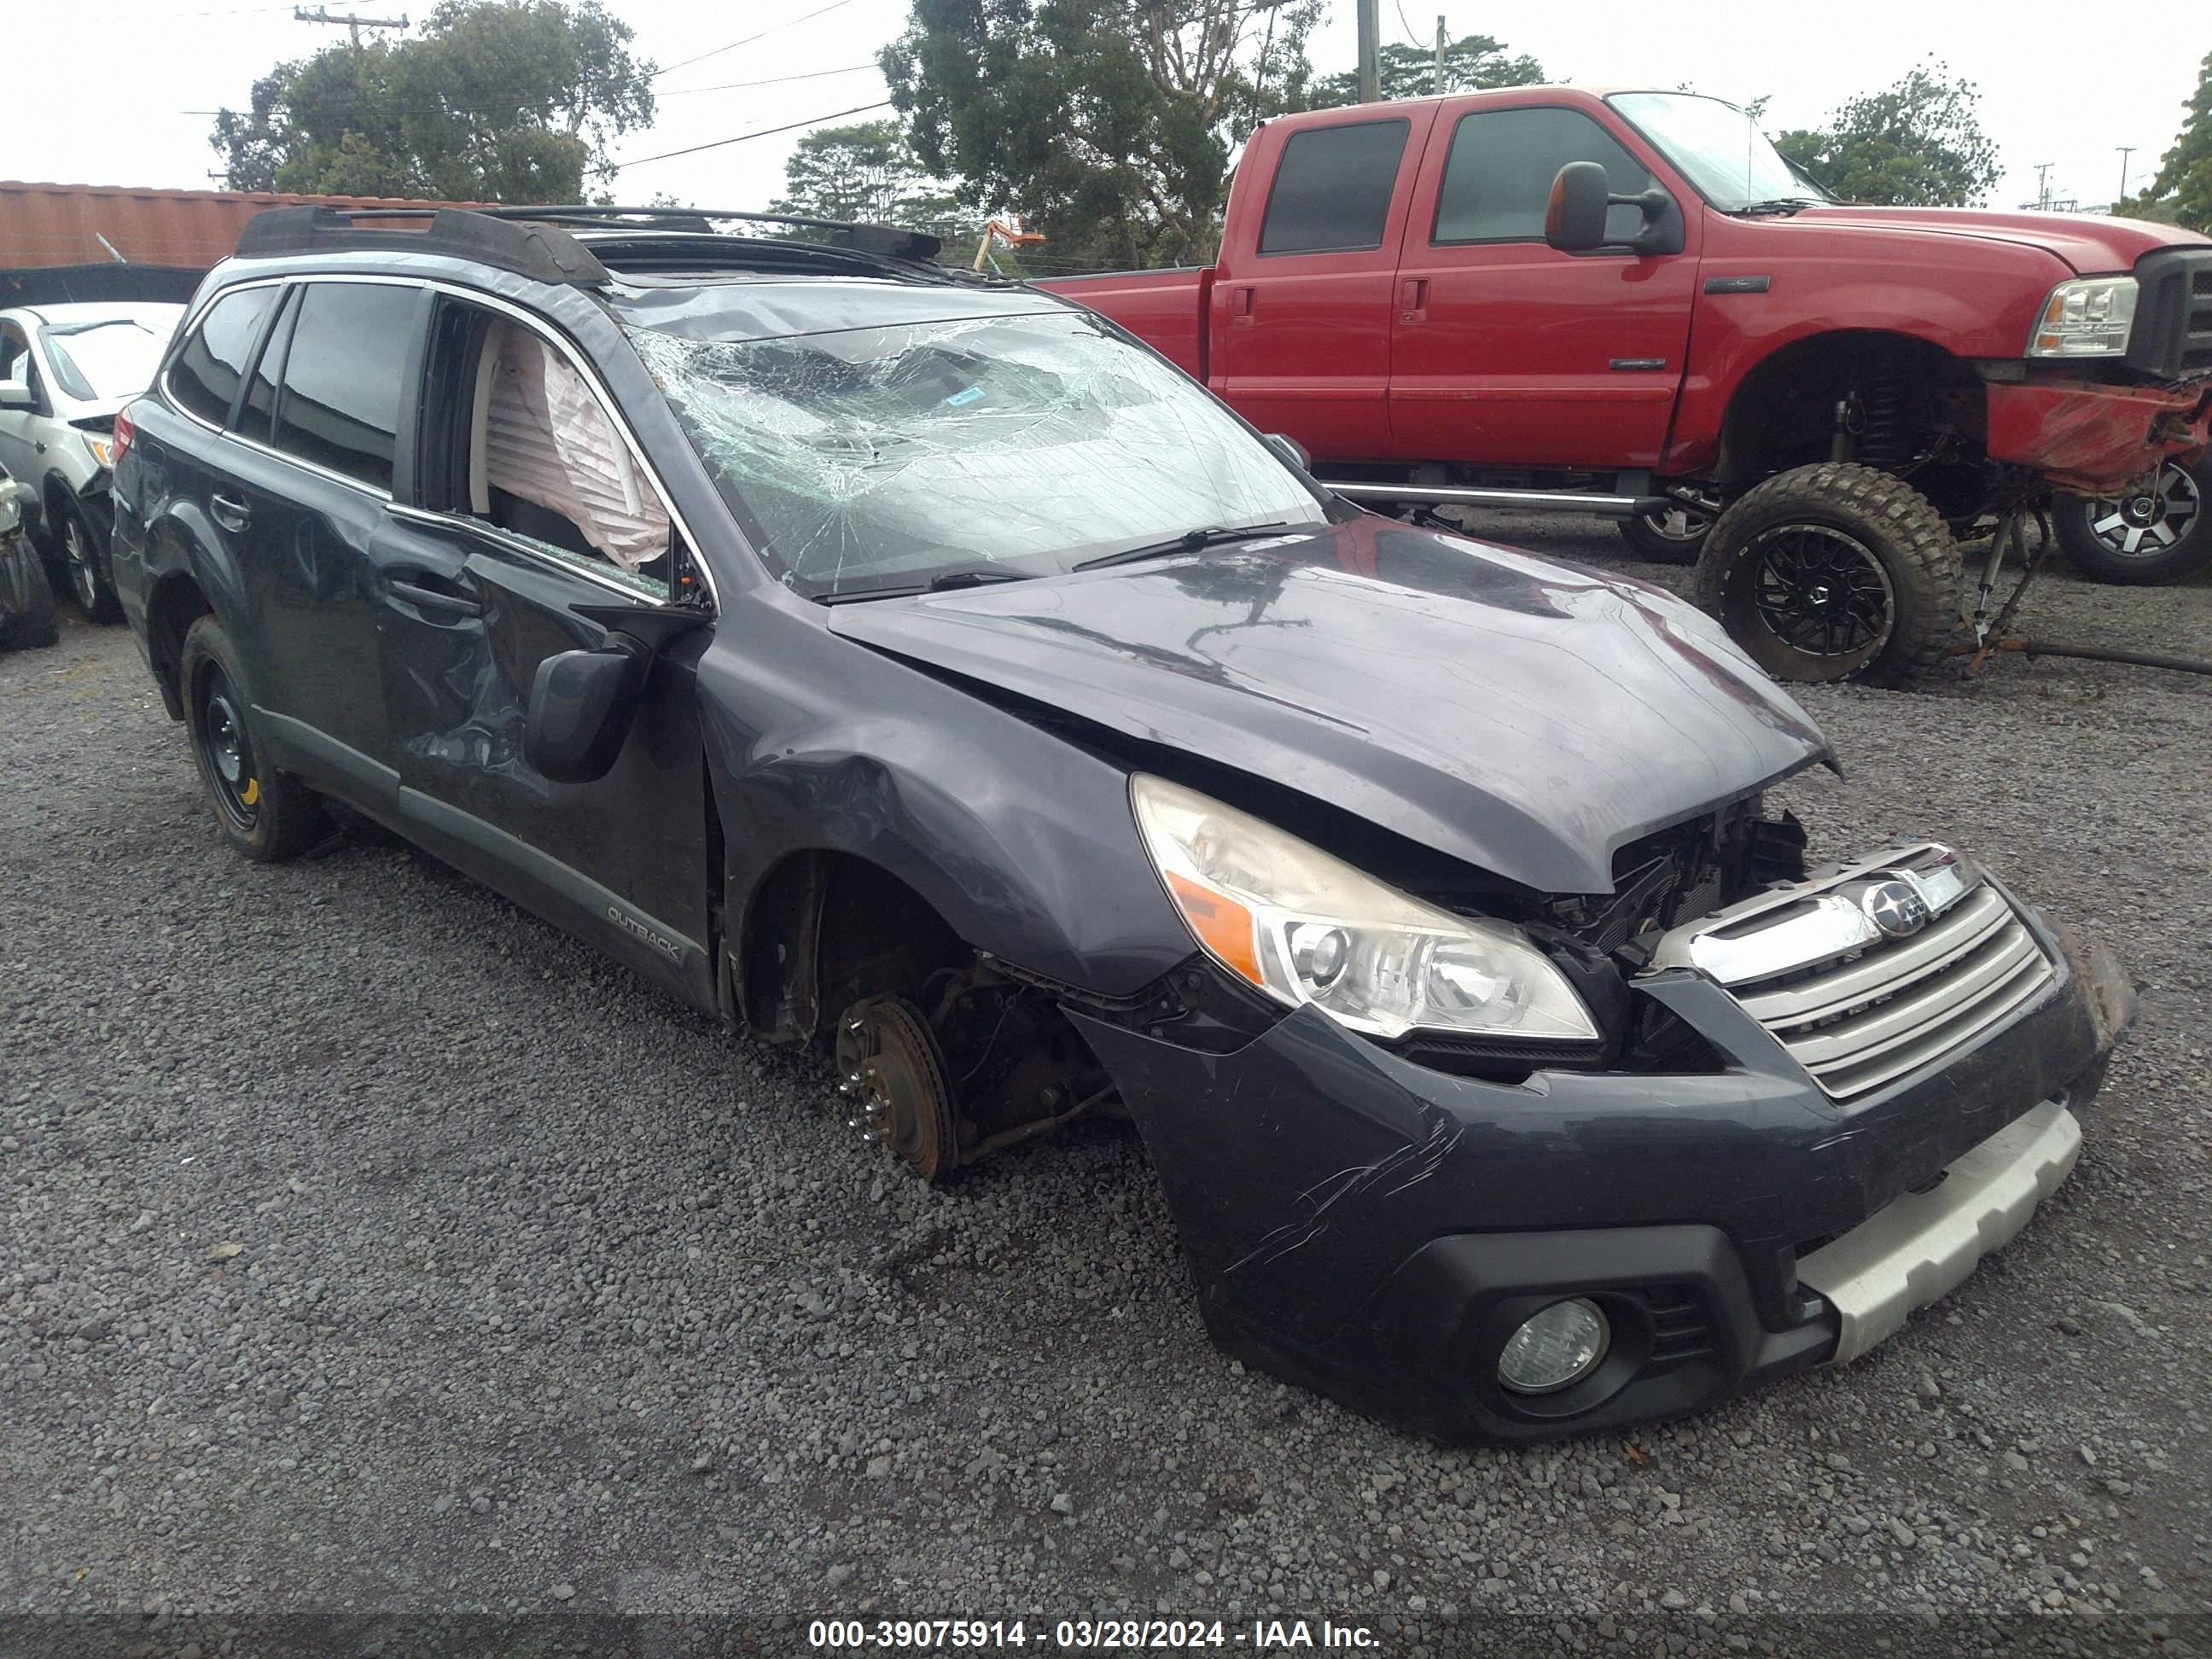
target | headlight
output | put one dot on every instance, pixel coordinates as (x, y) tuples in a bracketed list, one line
[(103, 450), (2087, 319), (1304, 927)]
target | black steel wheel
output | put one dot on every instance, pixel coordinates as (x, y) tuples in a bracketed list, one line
[(1834, 572), (1677, 534), (2159, 533), (267, 815)]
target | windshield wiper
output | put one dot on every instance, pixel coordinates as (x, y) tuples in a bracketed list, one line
[(943, 583), (1783, 204), (1191, 541)]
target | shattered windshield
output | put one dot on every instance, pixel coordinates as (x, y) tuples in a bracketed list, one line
[(887, 457)]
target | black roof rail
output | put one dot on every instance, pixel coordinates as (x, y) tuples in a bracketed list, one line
[(541, 251), (885, 241)]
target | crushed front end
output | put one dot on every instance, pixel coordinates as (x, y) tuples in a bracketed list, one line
[(1817, 1100)]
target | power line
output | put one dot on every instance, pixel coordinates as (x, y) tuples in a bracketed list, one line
[(773, 81), (790, 126), (748, 39)]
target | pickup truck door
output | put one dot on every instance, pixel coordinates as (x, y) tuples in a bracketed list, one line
[(1506, 352), (1300, 307)]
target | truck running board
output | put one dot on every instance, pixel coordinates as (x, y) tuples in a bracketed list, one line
[(1606, 506)]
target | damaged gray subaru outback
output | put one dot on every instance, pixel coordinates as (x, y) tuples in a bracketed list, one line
[(913, 664)]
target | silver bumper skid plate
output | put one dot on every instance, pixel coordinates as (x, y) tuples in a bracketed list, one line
[(1922, 1246)]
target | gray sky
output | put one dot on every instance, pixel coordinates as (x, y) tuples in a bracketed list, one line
[(122, 114)]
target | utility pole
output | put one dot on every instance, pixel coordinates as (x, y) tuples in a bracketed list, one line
[(2125, 151), (322, 15), (1370, 49), (1439, 86), (2043, 183)]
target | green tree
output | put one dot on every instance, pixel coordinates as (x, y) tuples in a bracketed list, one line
[(2182, 192), (1108, 123), (864, 172), (1472, 63), (1919, 143), (498, 100)]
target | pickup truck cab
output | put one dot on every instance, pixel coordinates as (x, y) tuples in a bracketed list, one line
[(1632, 298)]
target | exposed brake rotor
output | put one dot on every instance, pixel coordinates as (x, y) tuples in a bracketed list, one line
[(893, 1073)]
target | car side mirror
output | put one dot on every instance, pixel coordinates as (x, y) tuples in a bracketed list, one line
[(1296, 453), (582, 703), (16, 394), (1576, 212)]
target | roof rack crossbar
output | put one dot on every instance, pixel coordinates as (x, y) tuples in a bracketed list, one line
[(544, 252), (890, 241)]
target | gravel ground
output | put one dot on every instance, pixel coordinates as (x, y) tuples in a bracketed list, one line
[(367, 1244)]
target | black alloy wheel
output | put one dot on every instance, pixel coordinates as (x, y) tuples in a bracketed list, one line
[(1821, 591)]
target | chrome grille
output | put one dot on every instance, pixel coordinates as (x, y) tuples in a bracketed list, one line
[(1855, 1008)]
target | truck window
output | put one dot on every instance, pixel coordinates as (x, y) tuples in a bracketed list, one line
[(1332, 190), (1499, 174)]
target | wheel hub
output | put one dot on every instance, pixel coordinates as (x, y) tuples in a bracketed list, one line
[(892, 1072)]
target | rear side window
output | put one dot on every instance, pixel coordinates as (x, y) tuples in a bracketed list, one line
[(343, 373), (204, 378), (1332, 186), (1499, 174), (256, 417)]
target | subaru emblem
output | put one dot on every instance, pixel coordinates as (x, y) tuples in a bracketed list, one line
[(1895, 908)]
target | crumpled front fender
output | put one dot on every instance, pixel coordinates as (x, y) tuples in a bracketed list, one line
[(2093, 439)]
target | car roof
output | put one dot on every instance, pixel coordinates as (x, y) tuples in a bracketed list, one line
[(162, 316)]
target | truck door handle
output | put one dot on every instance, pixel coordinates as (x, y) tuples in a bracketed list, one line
[(1413, 299), (440, 595), (1240, 303), (228, 511)]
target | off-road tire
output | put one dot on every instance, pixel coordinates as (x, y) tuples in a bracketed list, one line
[(2075, 518), (1844, 505), (266, 815), (36, 624)]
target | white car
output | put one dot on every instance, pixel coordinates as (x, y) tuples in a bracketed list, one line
[(65, 370)]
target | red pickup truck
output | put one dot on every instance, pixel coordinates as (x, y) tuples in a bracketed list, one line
[(1631, 302)]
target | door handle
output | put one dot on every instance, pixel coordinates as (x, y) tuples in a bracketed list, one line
[(1413, 299), (441, 595), (1240, 304), (229, 511)]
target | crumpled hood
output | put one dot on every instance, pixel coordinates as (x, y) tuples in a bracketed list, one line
[(1526, 717), (2088, 242)]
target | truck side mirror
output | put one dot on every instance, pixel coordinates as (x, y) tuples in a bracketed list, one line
[(16, 394), (1575, 214)]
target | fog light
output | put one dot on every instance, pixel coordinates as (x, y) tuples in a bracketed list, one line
[(1555, 1348)]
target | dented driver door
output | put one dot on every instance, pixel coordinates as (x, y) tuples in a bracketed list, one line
[(485, 585)]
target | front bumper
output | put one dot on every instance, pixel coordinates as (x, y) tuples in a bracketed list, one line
[(2091, 438), (1375, 1229)]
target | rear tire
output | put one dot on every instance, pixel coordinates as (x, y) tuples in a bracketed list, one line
[(1676, 536), (264, 814), (36, 624), (1834, 572), (2163, 534)]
